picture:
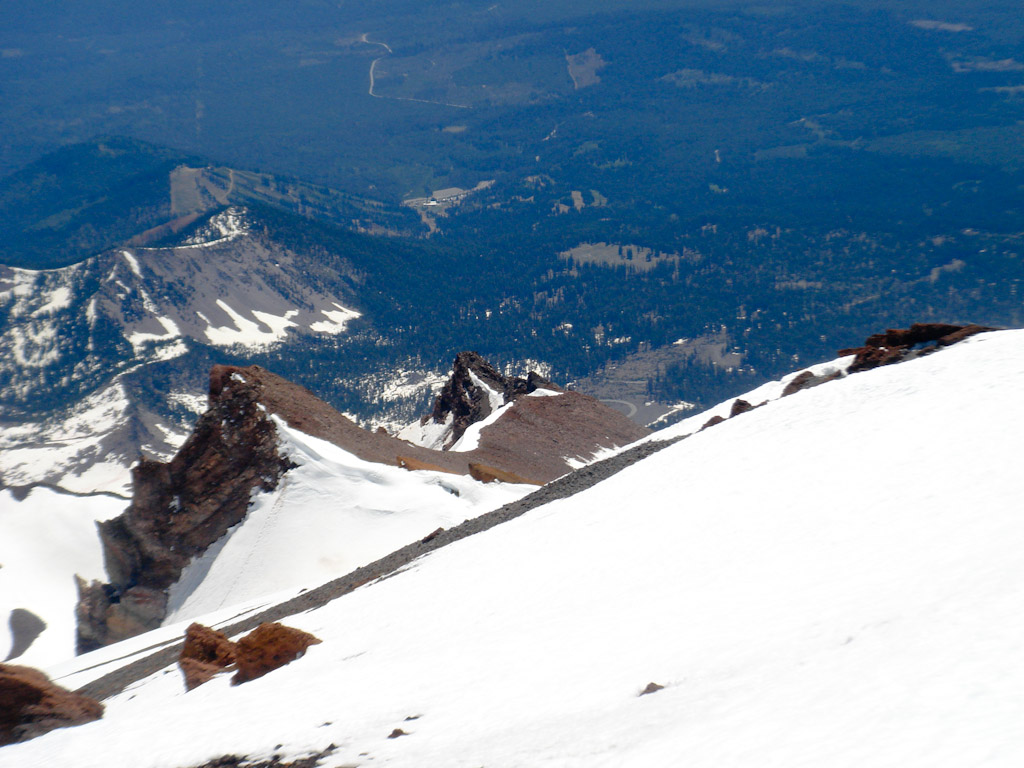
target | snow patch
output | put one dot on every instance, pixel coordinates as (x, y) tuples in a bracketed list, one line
[(133, 263), (336, 320), (59, 298)]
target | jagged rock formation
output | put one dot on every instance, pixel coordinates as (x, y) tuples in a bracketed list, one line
[(31, 705), (531, 441), (473, 392), (182, 507), (178, 510), (898, 344)]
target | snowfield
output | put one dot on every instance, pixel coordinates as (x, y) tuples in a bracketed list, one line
[(45, 540), (834, 579), (328, 516)]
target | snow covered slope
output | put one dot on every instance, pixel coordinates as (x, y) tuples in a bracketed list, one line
[(331, 514), (45, 540), (833, 579)]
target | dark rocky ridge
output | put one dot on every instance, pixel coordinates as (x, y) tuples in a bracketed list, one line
[(467, 403), (181, 507), (178, 509), (898, 344)]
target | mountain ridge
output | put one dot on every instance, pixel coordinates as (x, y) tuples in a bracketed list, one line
[(776, 602)]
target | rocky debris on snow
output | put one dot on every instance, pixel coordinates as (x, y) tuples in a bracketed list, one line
[(486, 474), (714, 420), (267, 648), (236, 761), (31, 705), (806, 380), (207, 652), (892, 346), (740, 406), (898, 344), (651, 688), (396, 733)]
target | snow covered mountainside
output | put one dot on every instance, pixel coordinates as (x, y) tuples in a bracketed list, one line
[(132, 305), (267, 463), (78, 338), (833, 578)]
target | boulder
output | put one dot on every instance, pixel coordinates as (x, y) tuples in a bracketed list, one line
[(31, 705), (267, 648)]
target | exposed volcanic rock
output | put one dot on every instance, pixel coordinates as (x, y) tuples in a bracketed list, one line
[(271, 645), (267, 648), (712, 422), (898, 344), (474, 389), (537, 438), (178, 510), (31, 705), (205, 653), (807, 380), (740, 406), (181, 507)]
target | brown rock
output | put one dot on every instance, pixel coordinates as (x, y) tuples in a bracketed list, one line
[(740, 406), (208, 646), (486, 474), (800, 381), (197, 672), (712, 422), (431, 536), (408, 462), (806, 380), (268, 647), (396, 733), (898, 344), (31, 705), (651, 688), (206, 652), (178, 509)]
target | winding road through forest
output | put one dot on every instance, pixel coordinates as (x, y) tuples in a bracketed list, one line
[(373, 68)]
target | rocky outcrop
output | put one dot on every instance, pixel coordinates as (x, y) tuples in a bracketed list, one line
[(807, 380), (178, 509), (472, 392), (181, 507), (268, 647), (206, 652), (898, 344), (31, 705)]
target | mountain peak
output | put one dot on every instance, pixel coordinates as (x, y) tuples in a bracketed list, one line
[(474, 391)]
